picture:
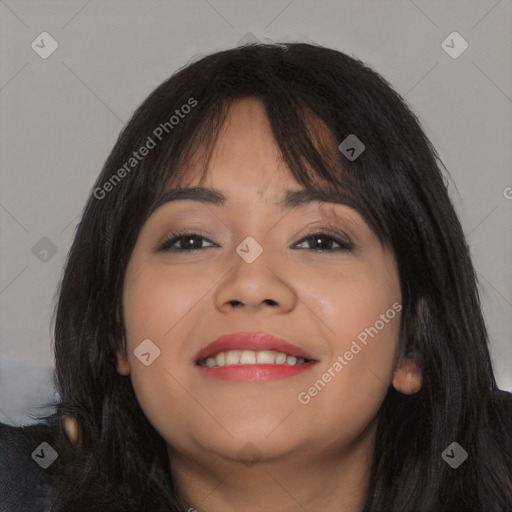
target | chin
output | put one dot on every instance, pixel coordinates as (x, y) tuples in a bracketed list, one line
[(255, 422), (251, 448)]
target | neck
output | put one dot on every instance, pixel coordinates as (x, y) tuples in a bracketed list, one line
[(305, 480)]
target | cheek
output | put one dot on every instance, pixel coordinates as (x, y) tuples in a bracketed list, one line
[(159, 304), (155, 307), (154, 301), (363, 316), (362, 304), (349, 389)]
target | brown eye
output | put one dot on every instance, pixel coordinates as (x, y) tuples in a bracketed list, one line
[(183, 242), (328, 240), (192, 242)]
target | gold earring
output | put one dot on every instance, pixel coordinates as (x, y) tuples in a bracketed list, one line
[(70, 427)]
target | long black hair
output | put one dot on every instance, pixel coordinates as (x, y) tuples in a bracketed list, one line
[(396, 184)]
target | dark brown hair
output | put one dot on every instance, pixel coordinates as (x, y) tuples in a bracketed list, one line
[(396, 185)]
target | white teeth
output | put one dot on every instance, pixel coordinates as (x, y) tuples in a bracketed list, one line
[(280, 358), (245, 357), (232, 357), (220, 359), (265, 357), (291, 360)]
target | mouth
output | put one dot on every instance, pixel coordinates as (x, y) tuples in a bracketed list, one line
[(252, 357)]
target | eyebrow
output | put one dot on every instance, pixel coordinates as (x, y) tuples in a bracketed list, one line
[(291, 198)]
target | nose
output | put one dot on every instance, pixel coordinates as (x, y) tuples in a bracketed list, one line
[(257, 285)]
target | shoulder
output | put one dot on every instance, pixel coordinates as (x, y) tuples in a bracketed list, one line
[(26, 457)]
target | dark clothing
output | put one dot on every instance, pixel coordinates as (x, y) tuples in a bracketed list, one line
[(24, 484)]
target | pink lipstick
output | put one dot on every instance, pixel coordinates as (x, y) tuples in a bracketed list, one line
[(252, 357)]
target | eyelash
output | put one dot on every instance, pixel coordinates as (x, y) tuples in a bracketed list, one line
[(340, 238)]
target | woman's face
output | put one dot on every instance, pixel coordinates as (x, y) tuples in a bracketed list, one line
[(340, 304)]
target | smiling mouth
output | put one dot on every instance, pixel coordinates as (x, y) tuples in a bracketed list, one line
[(251, 357)]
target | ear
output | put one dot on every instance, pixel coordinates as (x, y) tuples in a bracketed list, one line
[(407, 378), (123, 366)]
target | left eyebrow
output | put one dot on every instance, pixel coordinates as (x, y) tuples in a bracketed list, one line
[(291, 199)]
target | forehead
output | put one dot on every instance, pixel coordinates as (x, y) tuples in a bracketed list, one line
[(244, 154), (242, 166)]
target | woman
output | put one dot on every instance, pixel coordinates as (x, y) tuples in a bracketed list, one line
[(269, 304)]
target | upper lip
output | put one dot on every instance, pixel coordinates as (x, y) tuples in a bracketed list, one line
[(251, 341)]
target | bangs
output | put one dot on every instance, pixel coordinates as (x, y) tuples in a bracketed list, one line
[(307, 144), (313, 103)]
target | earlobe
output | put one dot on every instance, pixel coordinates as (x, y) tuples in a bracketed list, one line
[(407, 378)]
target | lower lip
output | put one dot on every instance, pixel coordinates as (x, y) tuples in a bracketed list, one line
[(255, 372)]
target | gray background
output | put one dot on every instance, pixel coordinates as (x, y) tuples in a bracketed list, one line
[(60, 117)]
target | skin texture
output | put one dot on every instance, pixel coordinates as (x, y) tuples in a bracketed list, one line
[(312, 456)]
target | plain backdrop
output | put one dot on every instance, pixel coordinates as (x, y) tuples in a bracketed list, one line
[(62, 112)]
